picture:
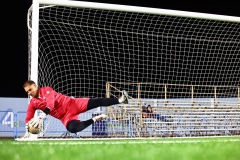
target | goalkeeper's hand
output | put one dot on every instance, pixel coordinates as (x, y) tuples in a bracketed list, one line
[(26, 127), (37, 120), (42, 115), (27, 134)]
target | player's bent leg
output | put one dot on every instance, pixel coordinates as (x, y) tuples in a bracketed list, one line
[(75, 126)]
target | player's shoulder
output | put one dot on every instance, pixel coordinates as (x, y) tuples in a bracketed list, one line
[(46, 90)]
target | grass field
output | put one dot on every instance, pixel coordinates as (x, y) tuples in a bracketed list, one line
[(208, 148)]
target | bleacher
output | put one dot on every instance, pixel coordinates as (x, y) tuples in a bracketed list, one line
[(183, 119)]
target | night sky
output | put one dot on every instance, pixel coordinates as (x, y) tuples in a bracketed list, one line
[(14, 61)]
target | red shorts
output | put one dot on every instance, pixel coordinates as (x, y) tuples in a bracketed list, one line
[(76, 106)]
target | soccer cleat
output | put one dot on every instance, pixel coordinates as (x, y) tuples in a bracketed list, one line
[(124, 97), (99, 117)]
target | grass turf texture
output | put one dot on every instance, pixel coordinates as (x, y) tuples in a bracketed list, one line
[(215, 148)]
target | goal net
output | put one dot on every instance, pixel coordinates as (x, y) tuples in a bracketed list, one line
[(184, 64)]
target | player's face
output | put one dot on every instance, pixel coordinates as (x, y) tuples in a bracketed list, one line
[(32, 90)]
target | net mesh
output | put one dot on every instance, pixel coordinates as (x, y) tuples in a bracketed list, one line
[(183, 66)]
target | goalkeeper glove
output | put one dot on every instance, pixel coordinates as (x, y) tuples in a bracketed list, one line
[(42, 116), (37, 120), (27, 134)]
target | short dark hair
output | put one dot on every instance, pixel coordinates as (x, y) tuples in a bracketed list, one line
[(28, 82)]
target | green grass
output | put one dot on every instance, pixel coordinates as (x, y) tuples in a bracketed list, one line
[(217, 148)]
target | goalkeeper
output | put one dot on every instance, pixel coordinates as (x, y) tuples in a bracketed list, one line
[(63, 107)]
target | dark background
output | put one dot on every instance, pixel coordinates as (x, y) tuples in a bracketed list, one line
[(14, 34)]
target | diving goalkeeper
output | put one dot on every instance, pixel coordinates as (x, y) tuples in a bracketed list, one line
[(63, 107)]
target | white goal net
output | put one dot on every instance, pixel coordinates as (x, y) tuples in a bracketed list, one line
[(184, 64)]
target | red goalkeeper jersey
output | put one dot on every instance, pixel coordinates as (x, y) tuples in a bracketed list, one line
[(62, 107)]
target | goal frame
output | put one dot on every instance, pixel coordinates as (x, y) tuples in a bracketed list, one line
[(34, 26), (33, 72)]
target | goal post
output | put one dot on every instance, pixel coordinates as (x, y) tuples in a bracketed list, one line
[(184, 64)]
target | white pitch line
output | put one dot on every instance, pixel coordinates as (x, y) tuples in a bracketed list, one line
[(142, 141)]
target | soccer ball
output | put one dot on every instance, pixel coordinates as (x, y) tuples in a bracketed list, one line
[(35, 130)]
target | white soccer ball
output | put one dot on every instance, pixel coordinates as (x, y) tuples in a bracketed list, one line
[(34, 130)]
